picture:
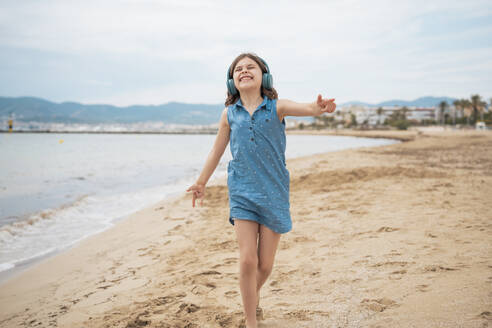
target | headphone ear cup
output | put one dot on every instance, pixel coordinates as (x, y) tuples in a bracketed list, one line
[(231, 87), (267, 81)]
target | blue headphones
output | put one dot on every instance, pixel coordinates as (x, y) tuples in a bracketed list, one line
[(266, 81)]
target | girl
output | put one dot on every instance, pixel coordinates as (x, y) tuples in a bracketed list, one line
[(258, 180)]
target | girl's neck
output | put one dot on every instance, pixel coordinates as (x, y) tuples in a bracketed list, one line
[(251, 100)]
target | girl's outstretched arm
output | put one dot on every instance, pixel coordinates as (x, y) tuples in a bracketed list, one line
[(213, 159), (287, 107)]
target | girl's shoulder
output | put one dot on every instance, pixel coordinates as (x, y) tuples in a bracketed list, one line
[(277, 108), (224, 117)]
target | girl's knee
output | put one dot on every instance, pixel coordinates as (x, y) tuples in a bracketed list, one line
[(248, 263), (265, 268)]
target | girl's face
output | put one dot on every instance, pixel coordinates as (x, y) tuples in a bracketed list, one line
[(247, 75)]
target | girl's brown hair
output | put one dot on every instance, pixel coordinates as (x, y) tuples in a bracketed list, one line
[(270, 93)]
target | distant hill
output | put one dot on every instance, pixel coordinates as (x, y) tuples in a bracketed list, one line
[(40, 110), (420, 102)]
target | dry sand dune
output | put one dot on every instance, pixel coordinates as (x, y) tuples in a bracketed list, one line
[(392, 236)]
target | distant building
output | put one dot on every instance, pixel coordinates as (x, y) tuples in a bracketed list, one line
[(420, 114), (370, 116)]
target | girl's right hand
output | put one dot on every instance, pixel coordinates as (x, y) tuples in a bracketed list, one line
[(198, 192)]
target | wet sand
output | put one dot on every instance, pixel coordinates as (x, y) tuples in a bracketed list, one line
[(390, 236)]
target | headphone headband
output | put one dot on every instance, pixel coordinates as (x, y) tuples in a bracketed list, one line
[(266, 82)]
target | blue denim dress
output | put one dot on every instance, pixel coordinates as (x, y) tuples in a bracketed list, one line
[(257, 176)]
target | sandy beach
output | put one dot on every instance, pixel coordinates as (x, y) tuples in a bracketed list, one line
[(390, 236)]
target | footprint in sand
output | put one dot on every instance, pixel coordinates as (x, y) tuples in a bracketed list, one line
[(177, 228), (188, 308), (394, 253), (147, 251), (231, 293), (378, 305), (33, 323), (224, 320), (208, 273), (391, 263), (283, 304), (397, 275), (486, 315), (203, 289), (363, 233), (226, 245), (138, 322), (230, 260), (437, 268), (303, 239), (63, 309), (304, 212), (225, 262), (358, 212), (75, 301), (302, 315), (168, 299), (284, 245), (422, 288), (387, 229)]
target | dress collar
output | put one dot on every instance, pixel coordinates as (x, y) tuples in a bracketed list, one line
[(264, 104)]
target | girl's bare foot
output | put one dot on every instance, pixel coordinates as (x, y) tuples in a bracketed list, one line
[(259, 313), (243, 324), (259, 310)]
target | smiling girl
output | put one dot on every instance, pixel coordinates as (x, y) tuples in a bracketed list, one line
[(258, 180)]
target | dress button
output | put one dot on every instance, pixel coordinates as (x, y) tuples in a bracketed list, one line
[(251, 128), (267, 120), (252, 139), (252, 118)]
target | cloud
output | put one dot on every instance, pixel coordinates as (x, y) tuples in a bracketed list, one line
[(153, 50)]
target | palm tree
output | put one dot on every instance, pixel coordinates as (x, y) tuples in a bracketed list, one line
[(404, 111), (443, 105), (353, 120), (467, 109), (478, 106), (380, 111), (465, 103), (457, 106), (490, 108)]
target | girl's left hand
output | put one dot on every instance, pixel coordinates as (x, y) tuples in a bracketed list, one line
[(325, 105)]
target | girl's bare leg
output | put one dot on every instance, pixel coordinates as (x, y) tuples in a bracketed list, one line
[(267, 247), (247, 237)]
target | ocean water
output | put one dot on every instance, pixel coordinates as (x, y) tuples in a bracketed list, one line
[(56, 189)]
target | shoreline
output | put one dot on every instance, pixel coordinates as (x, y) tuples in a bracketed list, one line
[(402, 135), (114, 132), (26, 264), (131, 265)]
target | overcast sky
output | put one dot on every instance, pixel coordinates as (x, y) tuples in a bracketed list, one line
[(154, 52)]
